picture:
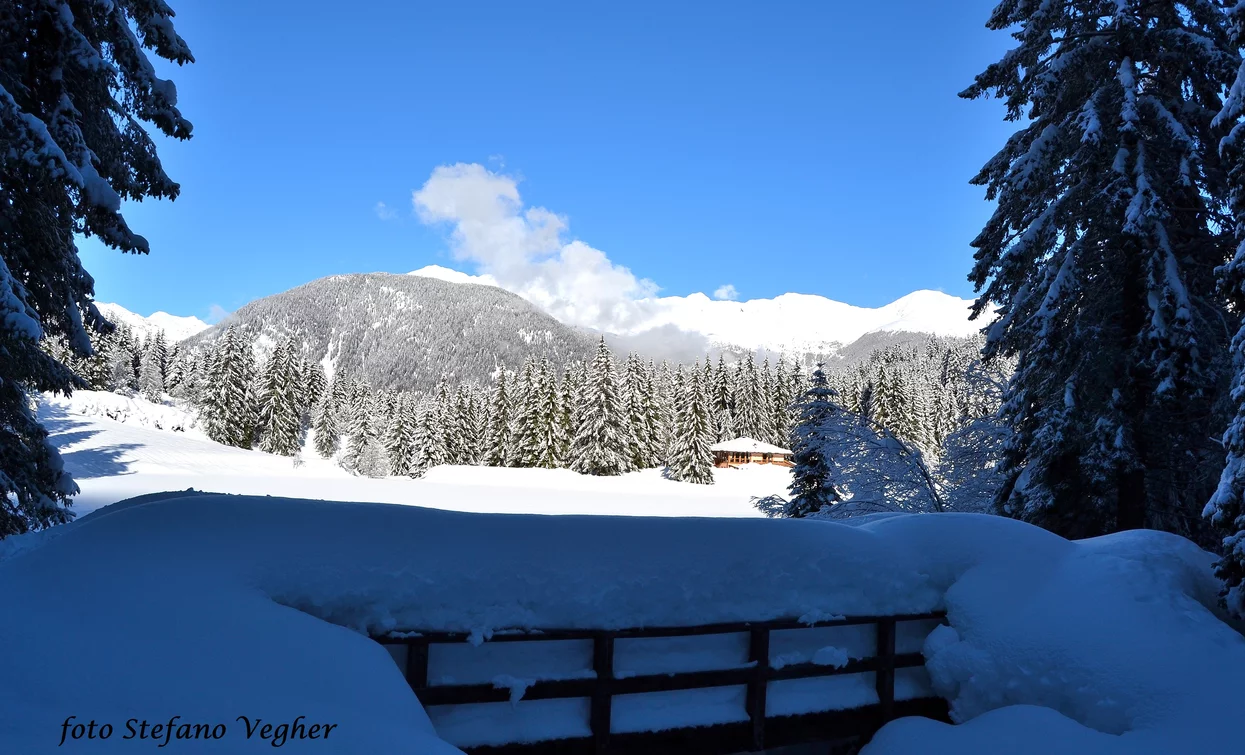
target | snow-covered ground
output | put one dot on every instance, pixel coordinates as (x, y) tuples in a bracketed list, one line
[(118, 447), (212, 607)]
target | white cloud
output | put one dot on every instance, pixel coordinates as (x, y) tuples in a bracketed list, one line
[(726, 292), (385, 212), (523, 249)]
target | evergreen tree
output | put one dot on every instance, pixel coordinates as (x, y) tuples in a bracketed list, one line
[(600, 445), (812, 476), (550, 443), (1101, 254), (1226, 508), (401, 437), (748, 405), (324, 425), (229, 400), (364, 454), (525, 427), (122, 353), (453, 426), (721, 404), (765, 405), (75, 87), (429, 439), (639, 420), (780, 410), (497, 453), (280, 416), (151, 376), (175, 373), (690, 457), (326, 417)]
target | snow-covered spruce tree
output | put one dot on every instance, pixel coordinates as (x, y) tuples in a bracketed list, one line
[(400, 438), (280, 416), (1226, 508), (721, 404), (75, 81), (781, 398), (812, 478), (364, 454), (600, 443), (429, 438), (34, 488), (690, 457), (765, 404), (324, 427), (228, 403), (640, 415), (151, 373), (525, 424), (1100, 255), (175, 371), (498, 443), (550, 444), (121, 355), (453, 426), (747, 390)]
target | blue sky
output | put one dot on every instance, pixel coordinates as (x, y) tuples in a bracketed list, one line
[(810, 147)]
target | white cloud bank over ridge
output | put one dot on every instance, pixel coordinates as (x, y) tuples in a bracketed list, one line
[(523, 249)]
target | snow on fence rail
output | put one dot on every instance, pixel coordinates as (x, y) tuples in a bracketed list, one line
[(584, 668)]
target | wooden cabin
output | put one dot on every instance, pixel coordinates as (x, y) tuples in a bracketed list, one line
[(732, 453)]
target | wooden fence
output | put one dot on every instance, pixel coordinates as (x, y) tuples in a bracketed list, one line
[(759, 731)]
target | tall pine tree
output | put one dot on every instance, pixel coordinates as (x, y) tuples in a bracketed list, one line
[(690, 457), (812, 478), (1100, 255), (600, 444), (1226, 508), (76, 87)]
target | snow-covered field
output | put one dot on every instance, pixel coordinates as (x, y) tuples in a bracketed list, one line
[(118, 447), (210, 607)]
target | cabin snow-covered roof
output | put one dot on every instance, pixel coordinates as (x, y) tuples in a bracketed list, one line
[(748, 445)]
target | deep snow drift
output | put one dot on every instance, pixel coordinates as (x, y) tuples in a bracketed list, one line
[(117, 447), (211, 607)]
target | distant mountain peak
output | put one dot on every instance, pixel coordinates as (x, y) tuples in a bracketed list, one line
[(176, 328), (407, 331)]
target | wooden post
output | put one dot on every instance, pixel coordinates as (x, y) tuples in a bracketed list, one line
[(885, 678), (599, 715), (758, 653), (417, 665)]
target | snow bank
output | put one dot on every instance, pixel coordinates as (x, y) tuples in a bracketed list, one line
[(1118, 639), (211, 607)]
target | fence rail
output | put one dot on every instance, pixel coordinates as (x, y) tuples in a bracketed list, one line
[(759, 731)]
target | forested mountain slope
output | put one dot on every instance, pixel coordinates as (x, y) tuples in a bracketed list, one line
[(404, 331)]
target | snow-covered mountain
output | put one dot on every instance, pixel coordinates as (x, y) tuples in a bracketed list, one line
[(804, 323), (789, 324), (407, 331), (175, 327)]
